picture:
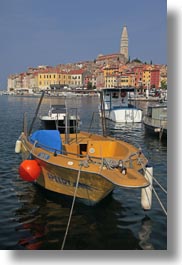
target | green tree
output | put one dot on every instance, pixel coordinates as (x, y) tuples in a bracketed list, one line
[(136, 60), (89, 85), (163, 84)]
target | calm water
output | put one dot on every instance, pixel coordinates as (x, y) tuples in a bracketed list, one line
[(33, 219)]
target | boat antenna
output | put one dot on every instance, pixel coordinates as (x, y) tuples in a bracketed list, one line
[(67, 123), (102, 108), (36, 113)]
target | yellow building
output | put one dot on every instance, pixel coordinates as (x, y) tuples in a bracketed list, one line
[(63, 78), (111, 80), (110, 70), (127, 80), (124, 80), (47, 77), (146, 78)]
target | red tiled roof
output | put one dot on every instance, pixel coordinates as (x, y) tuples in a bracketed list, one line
[(76, 72)]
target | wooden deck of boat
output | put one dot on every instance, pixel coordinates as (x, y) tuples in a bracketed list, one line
[(93, 147)]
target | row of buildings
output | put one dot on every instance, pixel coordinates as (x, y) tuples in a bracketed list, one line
[(105, 71), (90, 74)]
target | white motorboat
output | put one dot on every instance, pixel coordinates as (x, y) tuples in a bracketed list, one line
[(116, 107), (56, 119), (155, 121)]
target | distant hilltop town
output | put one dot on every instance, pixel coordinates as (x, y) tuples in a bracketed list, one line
[(109, 70)]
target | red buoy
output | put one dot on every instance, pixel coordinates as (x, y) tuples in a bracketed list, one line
[(29, 170)]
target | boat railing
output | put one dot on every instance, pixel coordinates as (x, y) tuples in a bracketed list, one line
[(93, 125), (109, 162), (69, 113)]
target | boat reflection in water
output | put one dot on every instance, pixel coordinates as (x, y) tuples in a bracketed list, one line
[(43, 220)]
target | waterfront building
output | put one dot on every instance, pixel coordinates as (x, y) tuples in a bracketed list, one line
[(111, 80), (110, 70), (63, 78), (47, 77), (138, 71), (155, 78), (100, 82), (75, 78), (146, 77), (124, 43), (131, 78), (127, 79)]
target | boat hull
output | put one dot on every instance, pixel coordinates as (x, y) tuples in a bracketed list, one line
[(92, 187), (124, 115), (156, 131)]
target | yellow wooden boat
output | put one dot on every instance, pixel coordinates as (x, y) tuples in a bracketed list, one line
[(101, 163), (83, 165)]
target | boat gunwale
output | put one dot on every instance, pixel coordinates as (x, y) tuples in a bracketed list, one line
[(30, 148)]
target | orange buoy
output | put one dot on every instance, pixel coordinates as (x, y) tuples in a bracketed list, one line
[(29, 170)]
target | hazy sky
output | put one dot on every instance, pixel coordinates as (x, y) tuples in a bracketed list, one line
[(36, 32)]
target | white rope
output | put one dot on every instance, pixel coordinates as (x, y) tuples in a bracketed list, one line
[(162, 188), (71, 211), (162, 206)]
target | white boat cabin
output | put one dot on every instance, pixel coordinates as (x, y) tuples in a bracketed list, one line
[(117, 106), (116, 97)]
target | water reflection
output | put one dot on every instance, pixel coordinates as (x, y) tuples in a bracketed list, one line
[(144, 234), (44, 217)]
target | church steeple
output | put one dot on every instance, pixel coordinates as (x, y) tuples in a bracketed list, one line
[(124, 43)]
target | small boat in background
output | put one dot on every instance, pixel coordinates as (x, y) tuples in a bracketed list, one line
[(55, 120), (115, 105), (155, 121)]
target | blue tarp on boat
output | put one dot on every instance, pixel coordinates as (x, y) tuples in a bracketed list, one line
[(47, 139)]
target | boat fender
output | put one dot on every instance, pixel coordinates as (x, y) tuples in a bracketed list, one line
[(18, 146), (29, 170), (146, 193)]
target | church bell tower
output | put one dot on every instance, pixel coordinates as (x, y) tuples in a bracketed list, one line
[(124, 43)]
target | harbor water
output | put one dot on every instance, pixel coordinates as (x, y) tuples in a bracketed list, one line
[(34, 219)]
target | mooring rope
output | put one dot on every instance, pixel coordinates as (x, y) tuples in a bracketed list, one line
[(161, 204), (71, 211)]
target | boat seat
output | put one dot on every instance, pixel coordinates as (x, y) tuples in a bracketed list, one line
[(106, 148)]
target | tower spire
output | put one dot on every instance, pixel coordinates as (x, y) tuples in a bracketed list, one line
[(124, 43)]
